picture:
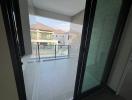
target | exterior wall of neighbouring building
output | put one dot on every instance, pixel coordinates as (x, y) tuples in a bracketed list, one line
[(53, 38)]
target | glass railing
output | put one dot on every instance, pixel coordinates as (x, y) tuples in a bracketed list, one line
[(43, 51)]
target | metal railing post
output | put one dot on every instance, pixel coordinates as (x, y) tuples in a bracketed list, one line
[(68, 50), (55, 51), (38, 51)]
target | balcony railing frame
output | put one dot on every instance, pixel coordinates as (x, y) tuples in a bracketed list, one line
[(38, 55)]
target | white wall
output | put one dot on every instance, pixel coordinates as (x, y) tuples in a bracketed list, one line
[(8, 89), (120, 79), (76, 33), (78, 18), (25, 25)]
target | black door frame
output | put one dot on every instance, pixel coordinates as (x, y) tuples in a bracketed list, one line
[(85, 41), (8, 6), (15, 5), (19, 26), (13, 31)]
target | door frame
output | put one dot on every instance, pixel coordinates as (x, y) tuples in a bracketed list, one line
[(85, 42), (13, 31)]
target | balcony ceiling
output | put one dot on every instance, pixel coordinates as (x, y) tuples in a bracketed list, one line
[(64, 7)]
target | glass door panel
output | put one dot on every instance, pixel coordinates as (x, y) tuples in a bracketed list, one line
[(105, 20)]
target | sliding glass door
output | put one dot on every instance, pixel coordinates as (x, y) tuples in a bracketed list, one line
[(100, 27), (105, 20)]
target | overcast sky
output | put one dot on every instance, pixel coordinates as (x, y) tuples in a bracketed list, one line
[(57, 24)]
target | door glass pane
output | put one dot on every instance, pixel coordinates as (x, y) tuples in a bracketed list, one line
[(106, 16)]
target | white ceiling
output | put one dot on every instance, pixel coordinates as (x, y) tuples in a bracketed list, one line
[(65, 7)]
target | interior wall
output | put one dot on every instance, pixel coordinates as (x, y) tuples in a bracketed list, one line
[(120, 79), (8, 89), (25, 25), (125, 88)]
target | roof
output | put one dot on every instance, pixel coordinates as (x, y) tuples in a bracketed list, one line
[(42, 27)]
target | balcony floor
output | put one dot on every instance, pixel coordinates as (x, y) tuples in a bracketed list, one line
[(50, 80)]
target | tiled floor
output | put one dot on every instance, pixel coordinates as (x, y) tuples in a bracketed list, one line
[(50, 80)]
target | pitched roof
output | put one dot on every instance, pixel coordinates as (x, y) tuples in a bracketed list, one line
[(42, 27)]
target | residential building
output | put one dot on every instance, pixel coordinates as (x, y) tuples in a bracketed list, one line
[(47, 35)]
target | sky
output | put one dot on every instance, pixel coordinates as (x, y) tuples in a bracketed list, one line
[(56, 24)]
